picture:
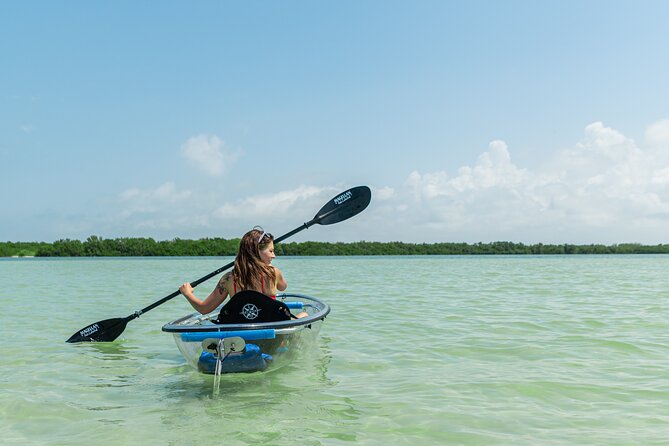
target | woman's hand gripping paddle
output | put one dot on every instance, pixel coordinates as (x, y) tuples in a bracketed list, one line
[(340, 208)]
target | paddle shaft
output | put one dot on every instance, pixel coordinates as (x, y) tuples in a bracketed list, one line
[(340, 208), (195, 283), (177, 292)]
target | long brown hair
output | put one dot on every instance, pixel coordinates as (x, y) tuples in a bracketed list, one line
[(250, 270)]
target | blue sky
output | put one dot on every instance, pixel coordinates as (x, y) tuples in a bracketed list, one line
[(471, 121)]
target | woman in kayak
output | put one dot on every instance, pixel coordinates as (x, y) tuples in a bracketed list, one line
[(253, 270)]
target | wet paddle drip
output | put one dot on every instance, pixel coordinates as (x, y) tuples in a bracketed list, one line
[(219, 365)]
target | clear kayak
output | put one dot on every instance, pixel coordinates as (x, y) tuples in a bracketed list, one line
[(216, 348)]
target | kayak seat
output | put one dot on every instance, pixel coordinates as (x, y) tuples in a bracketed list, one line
[(250, 360), (252, 307)]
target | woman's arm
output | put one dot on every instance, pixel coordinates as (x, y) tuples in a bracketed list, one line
[(208, 305), (281, 283)]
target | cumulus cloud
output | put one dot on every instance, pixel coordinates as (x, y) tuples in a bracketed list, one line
[(166, 192), (276, 205), (493, 169), (209, 154), (603, 189), (166, 211), (137, 200), (163, 211), (657, 134), (383, 193)]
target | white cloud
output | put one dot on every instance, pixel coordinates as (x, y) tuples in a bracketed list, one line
[(276, 205), (383, 193), (657, 134), (145, 201), (209, 154), (492, 170), (604, 189)]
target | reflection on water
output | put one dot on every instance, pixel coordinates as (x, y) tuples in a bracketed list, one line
[(110, 351), (303, 371), (109, 364), (250, 407)]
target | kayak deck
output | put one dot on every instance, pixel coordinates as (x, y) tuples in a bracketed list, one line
[(247, 347)]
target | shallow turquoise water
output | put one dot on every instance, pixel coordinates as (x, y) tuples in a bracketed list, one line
[(417, 350)]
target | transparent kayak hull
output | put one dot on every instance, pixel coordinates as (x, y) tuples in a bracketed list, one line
[(248, 347)]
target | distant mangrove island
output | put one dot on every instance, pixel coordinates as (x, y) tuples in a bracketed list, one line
[(95, 246)]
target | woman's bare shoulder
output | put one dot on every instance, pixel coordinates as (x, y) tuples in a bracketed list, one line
[(223, 282)]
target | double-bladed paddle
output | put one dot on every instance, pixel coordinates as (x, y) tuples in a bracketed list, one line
[(340, 208)]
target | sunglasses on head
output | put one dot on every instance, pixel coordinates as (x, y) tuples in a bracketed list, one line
[(264, 233)]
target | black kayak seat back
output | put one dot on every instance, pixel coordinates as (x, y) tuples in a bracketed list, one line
[(251, 307)]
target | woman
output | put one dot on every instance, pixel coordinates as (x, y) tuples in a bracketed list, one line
[(253, 270)]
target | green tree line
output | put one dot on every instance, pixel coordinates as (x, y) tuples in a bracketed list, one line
[(95, 246)]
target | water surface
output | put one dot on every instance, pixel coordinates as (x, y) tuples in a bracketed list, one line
[(519, 350)]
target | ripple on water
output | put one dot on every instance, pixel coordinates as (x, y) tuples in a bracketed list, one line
[(425, 350)]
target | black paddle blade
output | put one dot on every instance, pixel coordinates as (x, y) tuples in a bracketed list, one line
[(344, 206), (103, 331)]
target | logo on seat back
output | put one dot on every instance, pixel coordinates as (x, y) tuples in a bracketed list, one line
[(250, 311)]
